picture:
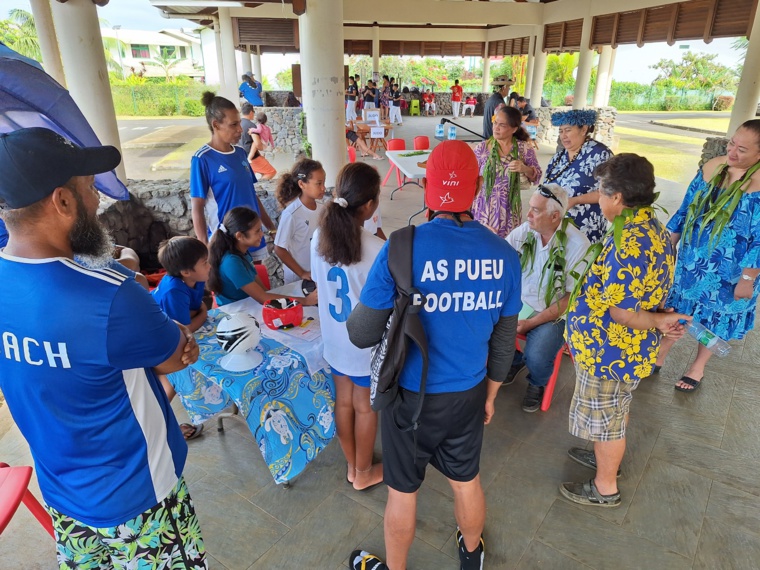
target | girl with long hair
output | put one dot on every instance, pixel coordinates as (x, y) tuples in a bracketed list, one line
[(298, 192), (342, 253), (233, 276)]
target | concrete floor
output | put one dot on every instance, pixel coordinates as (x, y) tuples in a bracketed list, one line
[(690, 490)]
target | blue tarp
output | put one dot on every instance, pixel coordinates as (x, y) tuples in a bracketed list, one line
[(29, 97)]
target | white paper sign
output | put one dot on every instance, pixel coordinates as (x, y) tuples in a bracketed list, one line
[(372, 116), (377, 132)]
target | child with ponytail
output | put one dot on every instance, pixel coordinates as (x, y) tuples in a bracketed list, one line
[(233, 276), (342, 253), (297, 193)]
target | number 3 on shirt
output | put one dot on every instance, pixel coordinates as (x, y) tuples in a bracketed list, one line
[(336, 274)]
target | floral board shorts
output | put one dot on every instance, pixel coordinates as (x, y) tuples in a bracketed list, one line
[(166, 536), (599, 407)]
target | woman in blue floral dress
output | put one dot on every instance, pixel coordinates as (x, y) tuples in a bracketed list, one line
[(716, 273), (573, 169)]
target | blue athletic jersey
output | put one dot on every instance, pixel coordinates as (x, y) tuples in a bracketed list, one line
[(3, 234), (235, 272), (230, 179), (471, 278), (252, 94), (78, 345), (177, 299)]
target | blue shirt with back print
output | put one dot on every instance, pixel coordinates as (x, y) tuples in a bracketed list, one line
[(471, 279), (177, 299), (3, 235), (230, 179), (78, 348)]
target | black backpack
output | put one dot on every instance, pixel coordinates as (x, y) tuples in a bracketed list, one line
[(404, 325)]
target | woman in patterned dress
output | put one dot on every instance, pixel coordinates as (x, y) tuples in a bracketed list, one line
[(717, 268), (502, 159), (573, 169)]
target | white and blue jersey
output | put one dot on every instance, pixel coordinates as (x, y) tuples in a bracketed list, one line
[(471, 278), (177, 299), (3, 235), (230, 179), (339, 287), (78, 347)]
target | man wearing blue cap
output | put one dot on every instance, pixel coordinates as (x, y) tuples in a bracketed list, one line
[(81, 350)]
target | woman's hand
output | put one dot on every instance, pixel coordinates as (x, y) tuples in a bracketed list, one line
[(518, 166), (744, 289), (310, 300)]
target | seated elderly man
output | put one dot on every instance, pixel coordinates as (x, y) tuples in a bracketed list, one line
[(550, 246)]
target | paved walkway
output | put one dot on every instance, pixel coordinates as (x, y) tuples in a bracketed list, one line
[(691, 493)]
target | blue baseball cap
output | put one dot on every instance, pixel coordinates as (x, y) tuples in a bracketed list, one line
[(36, 161)]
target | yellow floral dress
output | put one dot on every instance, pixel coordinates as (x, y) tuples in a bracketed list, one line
[(635, 277)]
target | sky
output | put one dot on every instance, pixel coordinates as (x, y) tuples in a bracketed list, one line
[(631, 63)]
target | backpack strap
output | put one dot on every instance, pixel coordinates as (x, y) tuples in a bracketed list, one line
[(400, 254)]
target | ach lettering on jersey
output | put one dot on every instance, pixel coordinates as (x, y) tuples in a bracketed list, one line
[(463, 270), (31, 351)]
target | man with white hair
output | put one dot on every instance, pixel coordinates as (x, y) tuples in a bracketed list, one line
[(550, 247)]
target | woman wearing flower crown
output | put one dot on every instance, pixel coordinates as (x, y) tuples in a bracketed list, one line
[(502, 159), (718, 226), (573, 169)]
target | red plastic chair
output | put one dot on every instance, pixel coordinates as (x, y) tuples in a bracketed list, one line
[(351, 154), (421, 143), (549, 390), (395, 144), (261, 269), (14, 483)]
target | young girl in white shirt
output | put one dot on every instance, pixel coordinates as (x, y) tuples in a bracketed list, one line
[(342, 253), (297, 193)]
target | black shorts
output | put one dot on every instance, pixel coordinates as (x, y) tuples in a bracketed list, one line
[(450, 437), (351, 136)]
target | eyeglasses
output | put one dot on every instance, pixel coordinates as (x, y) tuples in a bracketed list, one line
[(546, 193)]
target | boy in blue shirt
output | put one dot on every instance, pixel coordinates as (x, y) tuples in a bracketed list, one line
[(180, 296)]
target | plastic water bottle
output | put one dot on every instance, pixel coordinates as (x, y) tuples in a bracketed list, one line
[(439, 131), (452, 132), (708, 339)]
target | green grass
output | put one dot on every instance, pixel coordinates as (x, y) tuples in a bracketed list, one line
[(658, 136), (668, 163), (711, 124)]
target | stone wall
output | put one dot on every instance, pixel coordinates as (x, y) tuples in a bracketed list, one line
[(284, 124), (159, 209), (443, 102), (714, 146), (604, 129)]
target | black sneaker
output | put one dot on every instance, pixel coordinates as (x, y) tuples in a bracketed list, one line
[(470, 560), (363, 560), (585, 457), (533, 397), (514, 370)]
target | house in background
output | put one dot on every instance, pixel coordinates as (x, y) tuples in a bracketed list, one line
[(140, 48)]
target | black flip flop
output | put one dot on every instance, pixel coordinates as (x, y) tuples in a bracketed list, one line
[(689, 381)]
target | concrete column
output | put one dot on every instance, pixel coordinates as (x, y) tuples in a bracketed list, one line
[(321, 34), (585, 64), (230, 79), (486, 71), (84, 63), (256, 63), (51, 55), (748, 93), (376, 49), (539, 69), (219, 59), (531, 63), (608, 87), (602, 76)]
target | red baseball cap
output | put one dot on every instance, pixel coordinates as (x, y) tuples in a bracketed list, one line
[(451, 177)]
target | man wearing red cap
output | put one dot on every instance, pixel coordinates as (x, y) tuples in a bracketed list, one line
[(470, 280)]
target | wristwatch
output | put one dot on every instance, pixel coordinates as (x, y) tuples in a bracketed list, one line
[(746, 277)]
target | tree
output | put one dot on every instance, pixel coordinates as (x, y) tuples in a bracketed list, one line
[(19, 33), (284, 79), (559, 68), (695, 71), (166, 62)]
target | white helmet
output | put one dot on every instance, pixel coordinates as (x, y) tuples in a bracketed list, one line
[(238, 333)]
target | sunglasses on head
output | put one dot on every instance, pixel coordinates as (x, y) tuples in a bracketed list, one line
[(546, 193)]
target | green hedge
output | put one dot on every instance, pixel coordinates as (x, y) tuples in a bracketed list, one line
[(159, 99)]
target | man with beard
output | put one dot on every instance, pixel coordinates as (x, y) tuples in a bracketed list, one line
[(81, 349)]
